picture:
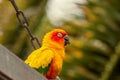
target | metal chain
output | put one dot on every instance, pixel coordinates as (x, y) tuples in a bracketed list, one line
[(20, 15)]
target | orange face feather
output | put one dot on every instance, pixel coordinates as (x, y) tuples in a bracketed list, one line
[(58, 36)]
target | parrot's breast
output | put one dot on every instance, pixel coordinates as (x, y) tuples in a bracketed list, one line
[(55, 67)]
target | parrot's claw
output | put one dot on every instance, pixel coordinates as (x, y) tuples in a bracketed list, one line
[(57, 78)]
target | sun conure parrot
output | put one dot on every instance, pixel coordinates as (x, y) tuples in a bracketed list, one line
[(48, 59)]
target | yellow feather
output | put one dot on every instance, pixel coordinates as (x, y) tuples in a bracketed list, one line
[(40, 58)]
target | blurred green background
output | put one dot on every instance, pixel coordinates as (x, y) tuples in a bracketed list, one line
[(95, 39)]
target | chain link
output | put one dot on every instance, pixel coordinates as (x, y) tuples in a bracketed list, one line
[(23, 22)]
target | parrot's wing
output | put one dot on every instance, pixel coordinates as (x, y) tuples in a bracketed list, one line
[(40, 58)]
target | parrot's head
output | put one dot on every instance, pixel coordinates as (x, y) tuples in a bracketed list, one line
[(56, 37)]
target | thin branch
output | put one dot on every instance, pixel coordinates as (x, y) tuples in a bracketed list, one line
[(111, 64)]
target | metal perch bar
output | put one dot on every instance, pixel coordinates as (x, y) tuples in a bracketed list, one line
[(13, 68)]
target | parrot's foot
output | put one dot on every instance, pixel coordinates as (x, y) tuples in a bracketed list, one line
[(57, 78)]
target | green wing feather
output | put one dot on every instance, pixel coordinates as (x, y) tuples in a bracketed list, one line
[(43, 70)]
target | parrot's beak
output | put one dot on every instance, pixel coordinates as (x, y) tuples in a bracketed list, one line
[(67, 40)]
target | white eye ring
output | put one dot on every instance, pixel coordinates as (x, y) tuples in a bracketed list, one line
[(59, 35)]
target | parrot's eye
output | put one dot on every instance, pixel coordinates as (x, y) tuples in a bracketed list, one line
[(59, 35)]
